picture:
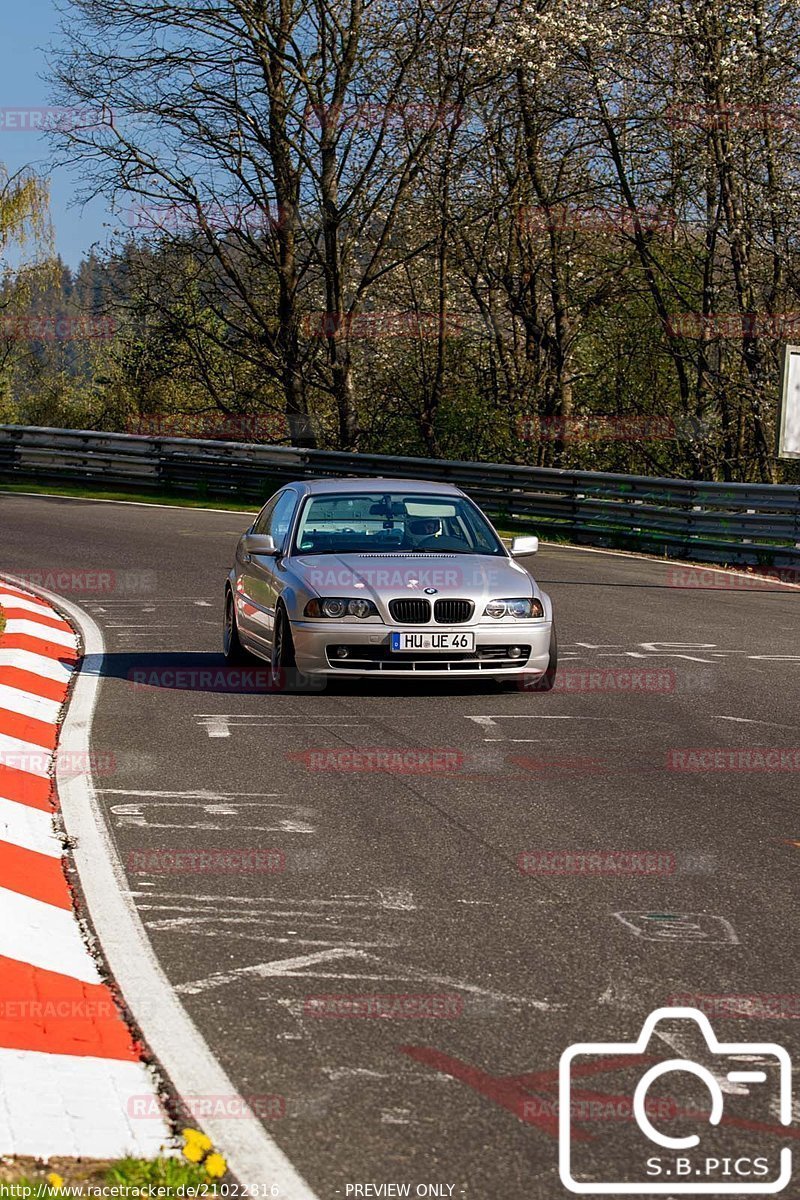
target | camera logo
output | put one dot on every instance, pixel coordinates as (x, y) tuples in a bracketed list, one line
[(696, 1162)]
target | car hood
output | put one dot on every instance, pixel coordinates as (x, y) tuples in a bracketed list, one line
[(384, 577)]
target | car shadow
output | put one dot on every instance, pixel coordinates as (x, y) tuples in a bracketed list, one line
[(209, 673)]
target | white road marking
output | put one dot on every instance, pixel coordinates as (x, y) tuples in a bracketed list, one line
[(218, 725), (24, 756), (673, 562), (281, 967), (151, 504), (118, 602), (395, 1116), (77, 1107), (253, 1157), (488, 722), (27, 705), (59, 637), (37, 664), (397, 899), (391, 972), (750, 721), (45, 936), (335, 1073), (197, 794), (679, 927), (30, 828), (133, 815)]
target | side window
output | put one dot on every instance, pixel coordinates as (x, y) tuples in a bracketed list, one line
[(281, 517), (261, 523)]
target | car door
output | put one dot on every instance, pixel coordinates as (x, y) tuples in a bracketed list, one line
[(259, 587)]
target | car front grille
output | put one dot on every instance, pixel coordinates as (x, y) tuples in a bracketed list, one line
[(381, 659), (410, 612), (452, 612)]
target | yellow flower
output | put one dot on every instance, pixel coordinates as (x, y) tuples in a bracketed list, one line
[(193, 1137), (215, 1166), (55, 1181), (193, 1152)]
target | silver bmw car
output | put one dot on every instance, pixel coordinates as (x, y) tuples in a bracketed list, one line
[(385, 577)]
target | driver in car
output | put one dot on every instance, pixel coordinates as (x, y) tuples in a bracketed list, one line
[(425, 527)]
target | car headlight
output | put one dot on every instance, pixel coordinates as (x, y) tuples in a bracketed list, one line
[(334, 606), (519, 607)]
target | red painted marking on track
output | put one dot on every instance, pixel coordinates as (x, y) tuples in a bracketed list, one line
[(28, 729), (549, 1079), (503, 1089), (504, 1092), (25, 641), (35, 685), (24, 788), (43, 619), (42, 1010), (32, 874)]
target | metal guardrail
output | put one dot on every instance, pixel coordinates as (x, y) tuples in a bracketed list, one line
[(708, 522)]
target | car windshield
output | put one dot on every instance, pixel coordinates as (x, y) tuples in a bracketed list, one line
[(394, 522)]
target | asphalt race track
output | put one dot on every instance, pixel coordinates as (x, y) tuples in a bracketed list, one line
[(409, 882)]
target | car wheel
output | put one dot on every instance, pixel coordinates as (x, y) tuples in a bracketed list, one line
[(283, 669), (232, 648)]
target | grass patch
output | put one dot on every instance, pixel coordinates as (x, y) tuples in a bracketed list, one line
[(23, 1178)]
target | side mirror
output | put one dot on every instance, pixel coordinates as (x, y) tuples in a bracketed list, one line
[(259, 543), (524, 545)]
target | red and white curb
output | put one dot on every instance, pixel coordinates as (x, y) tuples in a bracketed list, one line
[(72, 1079), (188, 1062)]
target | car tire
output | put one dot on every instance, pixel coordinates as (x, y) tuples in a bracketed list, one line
[(232, 648), (283, 667)]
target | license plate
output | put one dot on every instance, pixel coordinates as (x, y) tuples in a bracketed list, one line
[(406, 643)]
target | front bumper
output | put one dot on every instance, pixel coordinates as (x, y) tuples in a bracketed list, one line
[(368, 651)]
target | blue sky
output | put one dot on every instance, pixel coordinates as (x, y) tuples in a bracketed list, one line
[(28, 28)]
